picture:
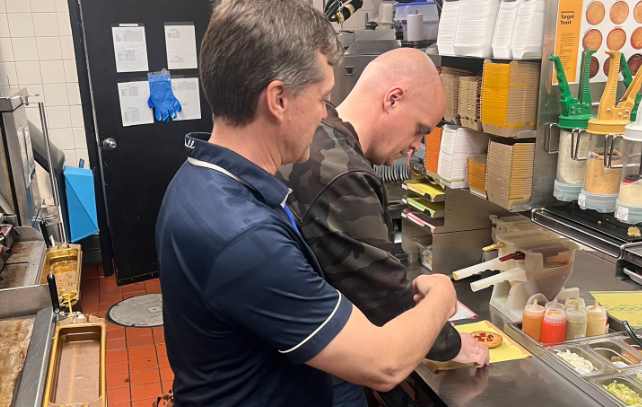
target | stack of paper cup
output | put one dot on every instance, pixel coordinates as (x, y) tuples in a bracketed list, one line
[(457, 144), (528, 36), (475, 27), (503, 35), (448, 27)]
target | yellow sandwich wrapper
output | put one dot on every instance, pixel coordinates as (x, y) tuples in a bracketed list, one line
[(623, 305), (508, 350), (428, 191)]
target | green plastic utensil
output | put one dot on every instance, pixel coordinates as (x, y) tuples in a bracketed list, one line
[(576, 112)]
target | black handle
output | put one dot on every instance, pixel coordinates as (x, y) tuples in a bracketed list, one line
[(53, 293), (45, 233), (631, 333)]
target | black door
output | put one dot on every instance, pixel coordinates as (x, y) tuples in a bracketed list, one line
[(140, 162)]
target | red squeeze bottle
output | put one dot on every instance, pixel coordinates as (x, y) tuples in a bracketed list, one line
[(554, 326)]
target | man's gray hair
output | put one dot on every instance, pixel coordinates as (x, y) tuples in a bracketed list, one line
[(250, 43)]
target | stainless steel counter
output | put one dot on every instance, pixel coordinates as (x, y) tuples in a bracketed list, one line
[(523, 382), (21, 297)]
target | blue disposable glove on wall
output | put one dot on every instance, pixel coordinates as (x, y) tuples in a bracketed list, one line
[(161, 97)]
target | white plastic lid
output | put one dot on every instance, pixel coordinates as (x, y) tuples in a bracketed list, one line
[(554, 305), (534, 310), (570, 303), (566, 192), (576, 313), (596, 311), (603, 203), (627, 213), (633, 131)]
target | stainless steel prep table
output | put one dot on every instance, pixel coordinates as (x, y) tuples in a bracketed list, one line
[(21, 298), (523, 382)]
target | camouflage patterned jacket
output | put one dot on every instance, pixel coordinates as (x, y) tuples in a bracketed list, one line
[(342, 211)]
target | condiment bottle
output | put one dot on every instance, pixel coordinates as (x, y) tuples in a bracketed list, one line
[(573, 122), (554, 326), (576, 322), (554, 305), (532, 320), (570, 303), (629, 203), (604, 160), (597, 321)]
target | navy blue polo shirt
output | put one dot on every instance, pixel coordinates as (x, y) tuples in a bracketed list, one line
[(245, 304)]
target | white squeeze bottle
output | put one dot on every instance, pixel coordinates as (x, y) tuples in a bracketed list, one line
[(576, 322), (570, 303), (597, 321)]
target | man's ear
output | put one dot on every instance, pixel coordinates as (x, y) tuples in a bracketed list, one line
[(392, 98), (276, 100)]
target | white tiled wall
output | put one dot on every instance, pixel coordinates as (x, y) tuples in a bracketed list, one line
[(37, 52)]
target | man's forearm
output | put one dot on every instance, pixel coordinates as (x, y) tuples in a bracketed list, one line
[(447, 345), (408, 338), (382, 357)]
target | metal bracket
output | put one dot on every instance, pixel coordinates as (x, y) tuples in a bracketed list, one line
[(576, 135), (547, 135), (609, 145)]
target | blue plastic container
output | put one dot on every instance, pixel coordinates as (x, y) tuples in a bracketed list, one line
[(81, 202)]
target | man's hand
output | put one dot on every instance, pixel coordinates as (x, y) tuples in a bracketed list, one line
[(436, 284), (472, 351)]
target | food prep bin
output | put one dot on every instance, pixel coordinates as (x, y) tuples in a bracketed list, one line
[(598, 364), (613, 351), (624, 379), (65, 263), (630, 342), (76, 375)]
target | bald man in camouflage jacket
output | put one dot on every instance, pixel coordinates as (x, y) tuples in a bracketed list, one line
[(341, 204)]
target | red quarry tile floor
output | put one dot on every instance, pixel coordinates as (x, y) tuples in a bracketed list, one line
[(137, 367)]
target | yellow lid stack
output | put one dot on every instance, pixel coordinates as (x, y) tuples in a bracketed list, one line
[(509, 97)]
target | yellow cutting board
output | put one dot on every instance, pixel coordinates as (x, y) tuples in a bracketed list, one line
[(508, 350)]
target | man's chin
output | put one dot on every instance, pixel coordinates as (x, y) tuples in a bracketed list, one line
[(390, 161), (305, 156)]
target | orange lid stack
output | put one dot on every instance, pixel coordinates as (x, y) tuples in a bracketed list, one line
[(433, 143), (477, 174)]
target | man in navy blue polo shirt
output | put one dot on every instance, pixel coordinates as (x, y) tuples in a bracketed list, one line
[(249, 319)]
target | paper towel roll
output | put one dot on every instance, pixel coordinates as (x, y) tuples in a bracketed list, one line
[(415, 27)]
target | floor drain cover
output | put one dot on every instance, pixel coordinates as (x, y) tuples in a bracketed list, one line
[(141, 311)]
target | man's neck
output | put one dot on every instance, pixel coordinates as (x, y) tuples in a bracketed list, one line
[(250, 142), (357, 114)]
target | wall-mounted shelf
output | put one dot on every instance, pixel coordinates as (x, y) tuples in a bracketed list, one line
[(433, 52), (432, 210), (429, 225), (425, 190), (418, 168)]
